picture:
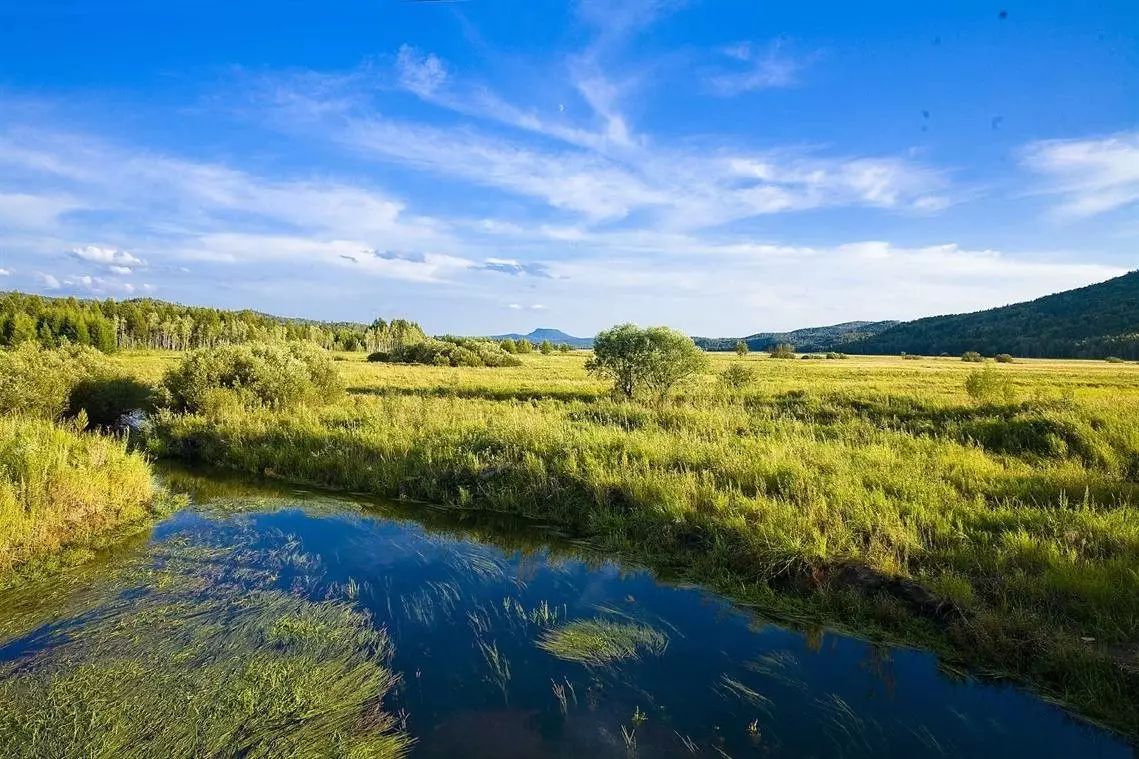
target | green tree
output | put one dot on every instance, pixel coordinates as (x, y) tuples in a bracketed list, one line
[(650, 361), (546, 347), (783, 350), (741, 348)]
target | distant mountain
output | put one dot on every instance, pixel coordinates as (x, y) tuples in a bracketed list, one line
[(807, 340), (555, 336), (1092, 322)]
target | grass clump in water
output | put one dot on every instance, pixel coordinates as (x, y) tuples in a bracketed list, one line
[(195, 660), (601, 641)]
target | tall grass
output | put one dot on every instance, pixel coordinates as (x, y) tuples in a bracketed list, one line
[(1004, 529), (64, 489)]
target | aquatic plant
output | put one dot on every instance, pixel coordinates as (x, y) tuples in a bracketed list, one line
[(601, 641), (203, 659)]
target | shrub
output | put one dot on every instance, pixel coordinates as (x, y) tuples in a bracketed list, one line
[(525, 346), (509, 345), (972, 357), (1003, 358), (741, 348), (783, 350), (737, 376), (449, 351), (54, 383), (1114, 360), (565, 348), (546, 347), (277, 375), (836, 356), (910, 357), (988, 385), (651, 360)]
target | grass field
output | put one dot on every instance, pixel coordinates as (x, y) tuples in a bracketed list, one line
[(876, 490)]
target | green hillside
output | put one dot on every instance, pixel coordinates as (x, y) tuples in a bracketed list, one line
[(1091, 322), (806, 340)]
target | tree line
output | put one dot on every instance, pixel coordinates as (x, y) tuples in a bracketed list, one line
[(109, 325)]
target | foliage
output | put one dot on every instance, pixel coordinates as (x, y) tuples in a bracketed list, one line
[(60, 488), (509, 345), (144, 323), (651, 360), (546, 347), (1114, 360), (1090, 322), (1003, 358), (836, 356), (450, 351), (277, 375), (972, 357), (988, 385), (54, 383), (738, 376), (782, 350), (741, 348)]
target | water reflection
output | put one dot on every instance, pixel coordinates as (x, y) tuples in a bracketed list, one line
[(513, 642)]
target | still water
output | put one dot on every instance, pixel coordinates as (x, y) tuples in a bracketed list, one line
[(476, 613)]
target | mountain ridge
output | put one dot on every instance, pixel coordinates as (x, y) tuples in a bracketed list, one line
[(1095, 321)]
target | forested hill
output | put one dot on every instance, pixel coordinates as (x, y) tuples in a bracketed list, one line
[(1092, 322), (807, 340), (147, 323)]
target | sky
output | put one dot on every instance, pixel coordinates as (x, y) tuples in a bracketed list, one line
[(723, 167)]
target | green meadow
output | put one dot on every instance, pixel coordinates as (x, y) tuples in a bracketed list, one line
[(989, 516)]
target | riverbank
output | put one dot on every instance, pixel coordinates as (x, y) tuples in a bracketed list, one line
[(65, 493), (875, 494)]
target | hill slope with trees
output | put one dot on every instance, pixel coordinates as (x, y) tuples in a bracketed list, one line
[(806, 340), (1096, 321)]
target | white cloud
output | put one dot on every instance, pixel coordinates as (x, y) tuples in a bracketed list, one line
[(756, 67), (420, 73), (5, 272), (49, 281), (1091, 176), (115, 259)]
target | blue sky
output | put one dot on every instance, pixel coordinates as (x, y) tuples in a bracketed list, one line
[(480, 166)]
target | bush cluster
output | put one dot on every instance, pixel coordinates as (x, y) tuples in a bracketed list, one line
[(276, 375), (972, 357), (783, 350), (453, 351), (64, 382)]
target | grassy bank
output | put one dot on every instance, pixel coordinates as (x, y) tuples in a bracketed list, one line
[(1005, 534), (65, 492)]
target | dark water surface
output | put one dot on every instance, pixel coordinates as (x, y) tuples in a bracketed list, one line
[(467, 606)]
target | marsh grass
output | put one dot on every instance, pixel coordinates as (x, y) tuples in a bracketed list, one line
[(202, 656), (600, 642), (64, 493), (1017, 515)]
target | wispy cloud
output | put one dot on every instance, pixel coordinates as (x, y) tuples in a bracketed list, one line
[(752, 66), (1090, 176)]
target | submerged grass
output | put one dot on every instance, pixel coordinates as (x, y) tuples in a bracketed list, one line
[(601, 641), (1001, 533), (204, 657)]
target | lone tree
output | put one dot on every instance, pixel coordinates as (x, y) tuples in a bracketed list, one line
[(650, 360), (741, 348)]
